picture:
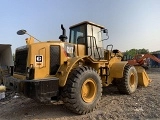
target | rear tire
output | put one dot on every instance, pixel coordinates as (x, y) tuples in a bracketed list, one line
[(83, 90), (128, 84)]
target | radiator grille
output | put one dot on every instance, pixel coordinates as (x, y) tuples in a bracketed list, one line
[(54, 59), (21, 60)]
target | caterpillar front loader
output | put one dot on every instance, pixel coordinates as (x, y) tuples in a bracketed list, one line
[(73, 71)]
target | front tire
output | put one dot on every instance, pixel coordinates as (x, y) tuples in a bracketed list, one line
[(128, 84), (83, 90)]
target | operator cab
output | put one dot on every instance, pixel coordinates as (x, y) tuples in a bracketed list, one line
[(89, 34)]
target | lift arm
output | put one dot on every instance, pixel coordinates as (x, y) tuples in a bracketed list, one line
[(140, 61)]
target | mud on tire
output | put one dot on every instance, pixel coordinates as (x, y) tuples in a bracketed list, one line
[(83, 90)]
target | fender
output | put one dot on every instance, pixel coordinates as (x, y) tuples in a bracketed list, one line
[(66, 68), (116, 69)]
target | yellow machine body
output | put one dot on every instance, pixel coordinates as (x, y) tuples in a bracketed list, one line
[(42, 68), (67, 63)]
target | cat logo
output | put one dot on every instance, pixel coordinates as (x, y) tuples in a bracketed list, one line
[(38, 61), (69, 49)]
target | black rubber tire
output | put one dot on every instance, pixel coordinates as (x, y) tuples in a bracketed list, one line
[(128, 84), (71, 93)]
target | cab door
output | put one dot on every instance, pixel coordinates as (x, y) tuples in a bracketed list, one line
[(94, 42)]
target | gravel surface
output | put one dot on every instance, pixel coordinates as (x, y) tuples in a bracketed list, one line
[(143, 104)]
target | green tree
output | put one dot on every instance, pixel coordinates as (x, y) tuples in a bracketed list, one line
[(130, 52), (133, 52), (143, 51)]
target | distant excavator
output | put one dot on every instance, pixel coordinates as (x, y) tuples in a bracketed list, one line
[(141, 60)]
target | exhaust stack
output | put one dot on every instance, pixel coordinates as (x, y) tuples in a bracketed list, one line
[(63, 37)]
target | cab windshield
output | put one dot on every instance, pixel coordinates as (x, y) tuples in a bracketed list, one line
[(75, 32)]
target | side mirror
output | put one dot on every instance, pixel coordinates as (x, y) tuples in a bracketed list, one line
[(105, 31), (21, 32)]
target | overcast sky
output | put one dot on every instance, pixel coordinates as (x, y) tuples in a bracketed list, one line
[(131, 23)]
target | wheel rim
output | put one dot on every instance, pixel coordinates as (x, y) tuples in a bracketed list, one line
[(89, 90), (132, 80)]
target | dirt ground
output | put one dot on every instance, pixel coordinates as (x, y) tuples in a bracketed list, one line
[(144, 104)]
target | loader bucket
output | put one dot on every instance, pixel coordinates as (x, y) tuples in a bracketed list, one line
[(143, 79)]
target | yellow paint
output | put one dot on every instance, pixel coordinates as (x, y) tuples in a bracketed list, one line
[(29, 41), (65, 69), (42, 70), (116, 69), (39, 49), (89, 90), (81, 50), (143, 79)]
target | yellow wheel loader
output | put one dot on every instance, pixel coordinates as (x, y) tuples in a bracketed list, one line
[(73, 71)]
